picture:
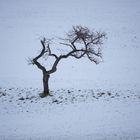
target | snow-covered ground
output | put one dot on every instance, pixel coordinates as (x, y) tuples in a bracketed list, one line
[(70, 114), (89, 102)]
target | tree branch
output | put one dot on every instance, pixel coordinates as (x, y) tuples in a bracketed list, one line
[(50, 53), (39, 56), (91, 47), (66, 44), (54, 67)]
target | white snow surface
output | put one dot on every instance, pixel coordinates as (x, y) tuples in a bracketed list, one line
[(89, 102), (70, 114)]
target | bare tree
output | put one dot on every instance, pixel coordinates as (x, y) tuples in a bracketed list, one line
[(81, 41)]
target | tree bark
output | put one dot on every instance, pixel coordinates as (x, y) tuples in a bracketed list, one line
[(45, 85)]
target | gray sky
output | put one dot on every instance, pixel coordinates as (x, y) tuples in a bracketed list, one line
[(23, 23)]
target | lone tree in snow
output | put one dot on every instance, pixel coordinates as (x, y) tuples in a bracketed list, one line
[(80, 42)]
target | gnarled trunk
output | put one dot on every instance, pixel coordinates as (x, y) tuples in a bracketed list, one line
[(45, 85)]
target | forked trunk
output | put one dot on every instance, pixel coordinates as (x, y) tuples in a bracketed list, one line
[(45, 85)]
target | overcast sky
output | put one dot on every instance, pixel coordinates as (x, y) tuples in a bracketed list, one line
[(24, 22)]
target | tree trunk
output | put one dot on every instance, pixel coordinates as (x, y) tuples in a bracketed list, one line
[(45, 85)]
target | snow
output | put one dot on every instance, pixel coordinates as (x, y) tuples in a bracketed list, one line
[(89, 101), (71, 114)]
